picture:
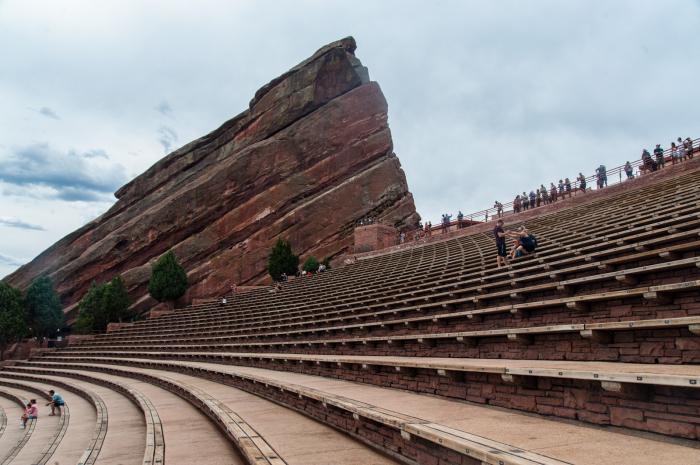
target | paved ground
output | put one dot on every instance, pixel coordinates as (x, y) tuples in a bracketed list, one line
[(577, 444), (45, 427), (81, 426), (12, 433), (126, 425), (190, 437), (295, 437)]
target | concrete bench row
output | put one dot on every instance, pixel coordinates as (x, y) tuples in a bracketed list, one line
[(436, 439), (553, 274), (528, 385), (13, 449), (164, 322)]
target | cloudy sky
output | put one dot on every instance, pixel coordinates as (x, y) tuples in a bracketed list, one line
[(486, 97)]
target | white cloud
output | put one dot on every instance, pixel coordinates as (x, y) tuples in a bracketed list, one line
[(486, 99)]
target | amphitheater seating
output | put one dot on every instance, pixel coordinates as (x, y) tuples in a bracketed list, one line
[(430, 354)]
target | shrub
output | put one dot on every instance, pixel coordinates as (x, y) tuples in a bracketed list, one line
[(90, 314), (13, 318), (44, 311), (103, 304), (311, 265), (116, 301), (168, 279), (282, 260), (327, 263)]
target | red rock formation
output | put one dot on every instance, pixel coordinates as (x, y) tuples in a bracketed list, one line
[(310, 156)]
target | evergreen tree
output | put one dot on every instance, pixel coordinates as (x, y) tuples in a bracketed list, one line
[(311, 264), (44, 311), (103, 304), (116, 301), (13, 321), (90, 309), (282, 260), (168, 279), (327, 263)]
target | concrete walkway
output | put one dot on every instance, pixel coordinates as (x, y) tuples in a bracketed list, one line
[(81, 426), (13, 433), (298, 439), (126, 425), (564, 441), (191, 438), (45, 427)]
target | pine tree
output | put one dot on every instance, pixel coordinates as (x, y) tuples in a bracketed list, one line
[(90, 314), (168, 279), (282, 260), (311, 264), (44, 311), (103, 304), (116, 301), (13, 321), (327, 263)]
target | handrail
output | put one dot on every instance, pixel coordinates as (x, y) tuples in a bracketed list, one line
[(484, 215)]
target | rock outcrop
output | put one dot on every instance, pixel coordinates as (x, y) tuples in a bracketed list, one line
[(310, 157)]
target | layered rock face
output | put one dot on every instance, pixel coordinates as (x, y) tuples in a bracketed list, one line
[(310, 156)]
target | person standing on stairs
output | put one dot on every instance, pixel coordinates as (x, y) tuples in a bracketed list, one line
[(659, 154), (500, 236), (582, 182)]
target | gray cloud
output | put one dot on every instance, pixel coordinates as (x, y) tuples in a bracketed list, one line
[(95, 153), (5, 260), (164, 108), (16, 223), (69, 175), (167, 137), (48, 112)]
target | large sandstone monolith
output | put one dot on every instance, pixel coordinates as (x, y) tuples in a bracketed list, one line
[(310, 157)]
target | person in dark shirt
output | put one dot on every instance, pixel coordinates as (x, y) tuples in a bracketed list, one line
[(552, 192), (582, 182), (528, 242), (659, 154), (500, 236)]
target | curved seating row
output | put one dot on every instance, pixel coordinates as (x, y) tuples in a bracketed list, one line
[(432, 354), (13, 445)]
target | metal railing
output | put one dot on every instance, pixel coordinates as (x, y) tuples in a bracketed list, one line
[(611, 174)]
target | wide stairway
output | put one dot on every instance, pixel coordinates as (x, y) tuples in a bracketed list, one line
[(585, 352)]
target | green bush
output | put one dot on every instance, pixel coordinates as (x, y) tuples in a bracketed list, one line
[(311, 265), (103, 304), (90, 314), (282, 260), (327, 263), (168, 279), (13, 318), (44, 311)]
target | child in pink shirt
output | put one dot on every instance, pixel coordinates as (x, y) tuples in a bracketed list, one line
[(31, 412)]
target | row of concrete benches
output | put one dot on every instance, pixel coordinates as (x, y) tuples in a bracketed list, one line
[(165, 321), (640, 245)]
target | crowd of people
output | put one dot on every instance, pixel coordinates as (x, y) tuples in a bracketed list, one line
[(523, 241), (31, 410), (681, 150), (543, 195)]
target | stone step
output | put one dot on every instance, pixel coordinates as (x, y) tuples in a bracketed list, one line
[(484, 433)]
